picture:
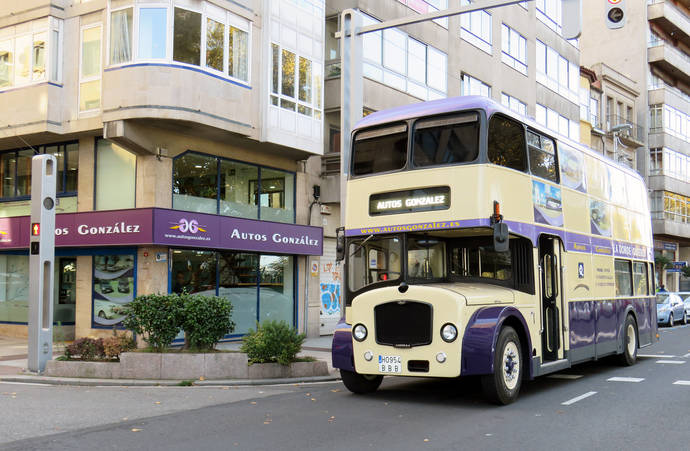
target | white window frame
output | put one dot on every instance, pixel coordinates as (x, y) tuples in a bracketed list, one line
[(513, 104), (469, 83), (483, 40), (316, 112), (512, 44), (207, 10), (98, 78)]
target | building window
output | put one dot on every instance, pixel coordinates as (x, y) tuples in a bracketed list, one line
[(474, 87), (210, 184), (90, 74), (514, 49), (259, 286), (113, 285), (121, 33), (557, 73), (299, 80), (428, 6), (187, 37), (550, 13), (153, 27), (513, 104), (475, 28), (212, 38), (115, 176), (670, 206), (30, 52), (406, 64), (594, 112), (560, 124), (15, 168)]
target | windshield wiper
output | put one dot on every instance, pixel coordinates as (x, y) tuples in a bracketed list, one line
[(361, 245)]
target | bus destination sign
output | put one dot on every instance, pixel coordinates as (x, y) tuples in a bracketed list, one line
[(421, 199)]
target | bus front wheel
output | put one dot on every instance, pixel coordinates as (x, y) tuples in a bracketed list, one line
[(503, 386), (360, 383)]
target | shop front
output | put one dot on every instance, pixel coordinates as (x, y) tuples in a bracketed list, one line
[(106, 258)]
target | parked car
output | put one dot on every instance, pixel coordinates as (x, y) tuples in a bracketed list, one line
[(686, 302), (669, 309), (123, 285)]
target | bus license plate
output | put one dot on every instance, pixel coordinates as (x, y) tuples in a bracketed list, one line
[(390, 364)]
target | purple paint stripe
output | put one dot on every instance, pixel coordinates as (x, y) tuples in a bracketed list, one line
[(574, 241)]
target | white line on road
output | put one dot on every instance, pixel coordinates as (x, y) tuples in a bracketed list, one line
[(565, 376), (578, 398), (686, 355), (681, 383), (655, 356), (625, 379), (674, 362)]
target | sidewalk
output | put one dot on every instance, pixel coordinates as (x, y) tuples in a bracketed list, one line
[(13, 363)]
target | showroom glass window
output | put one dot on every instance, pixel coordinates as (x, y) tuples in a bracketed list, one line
[(210, 184), (113, 285)]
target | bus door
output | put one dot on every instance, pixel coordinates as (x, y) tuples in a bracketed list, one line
[(551, 296)]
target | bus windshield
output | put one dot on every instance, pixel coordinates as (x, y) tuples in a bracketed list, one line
[(374, 259)]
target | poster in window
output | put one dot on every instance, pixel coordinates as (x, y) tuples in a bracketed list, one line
[(113, 286), (548, 208)]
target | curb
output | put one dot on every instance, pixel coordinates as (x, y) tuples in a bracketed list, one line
[(47, 380)]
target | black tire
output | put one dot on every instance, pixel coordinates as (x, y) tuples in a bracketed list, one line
[(630, 342), (670, 320), (360, 383), (503, 386), (685, 318)]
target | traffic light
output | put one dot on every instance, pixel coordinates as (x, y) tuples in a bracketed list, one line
[(615, 13)]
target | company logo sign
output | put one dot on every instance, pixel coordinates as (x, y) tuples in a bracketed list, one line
[(188, 226)]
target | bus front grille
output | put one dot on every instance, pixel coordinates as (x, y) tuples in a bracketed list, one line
[(403, 324)]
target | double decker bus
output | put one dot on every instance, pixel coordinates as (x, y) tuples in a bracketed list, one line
[(476, 242)]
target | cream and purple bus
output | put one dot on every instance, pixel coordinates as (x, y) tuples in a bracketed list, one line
[(477, 242)]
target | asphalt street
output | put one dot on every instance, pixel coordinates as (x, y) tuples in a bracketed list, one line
[(597, 405)]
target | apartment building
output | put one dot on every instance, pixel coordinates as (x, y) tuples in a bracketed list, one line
[(181, 130), (652, 50), (514, 54)]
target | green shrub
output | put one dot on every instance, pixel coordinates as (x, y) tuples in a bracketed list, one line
[(272, 341), (205, 320), (85, 349), (158, 317)]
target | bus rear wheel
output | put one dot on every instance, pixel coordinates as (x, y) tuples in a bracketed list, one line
[(360, 383), (629, 356), (503, 386)]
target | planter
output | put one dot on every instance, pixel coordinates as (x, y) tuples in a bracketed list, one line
[(184, 366)]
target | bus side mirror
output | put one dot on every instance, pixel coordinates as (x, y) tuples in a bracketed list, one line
[(501, 243), (340, 244)]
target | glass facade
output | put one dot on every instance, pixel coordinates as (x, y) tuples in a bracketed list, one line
[(115, 176), (259, 286), (14, 289), (209, 184)]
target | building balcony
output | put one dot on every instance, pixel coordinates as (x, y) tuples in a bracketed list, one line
[(669, 18), (668, 227), (35, 112), (663, 182), (194, 99), (660, 137), (669, 60), (632, 136), (668, 95)]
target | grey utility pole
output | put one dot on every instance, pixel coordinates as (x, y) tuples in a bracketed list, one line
[(351, 87), (42, 260)]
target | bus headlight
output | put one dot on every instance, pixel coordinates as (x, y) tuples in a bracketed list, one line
[(359, 332), (449, 333)]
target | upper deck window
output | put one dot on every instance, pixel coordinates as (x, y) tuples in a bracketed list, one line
[(446, 140), (380, 150), (507, 143), (542, 156)]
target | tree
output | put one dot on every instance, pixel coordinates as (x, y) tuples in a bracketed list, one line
[(662, 262)]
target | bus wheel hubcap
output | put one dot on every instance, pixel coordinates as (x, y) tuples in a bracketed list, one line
[(631, 340), (511, 365)]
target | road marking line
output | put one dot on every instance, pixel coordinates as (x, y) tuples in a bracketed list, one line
[(578, 398), (565, 376), (656, 356), (686, 355), (681, 383), (625, 379), (674, 362)]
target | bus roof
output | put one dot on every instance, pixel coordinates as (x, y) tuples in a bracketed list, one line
[(454, 104)]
